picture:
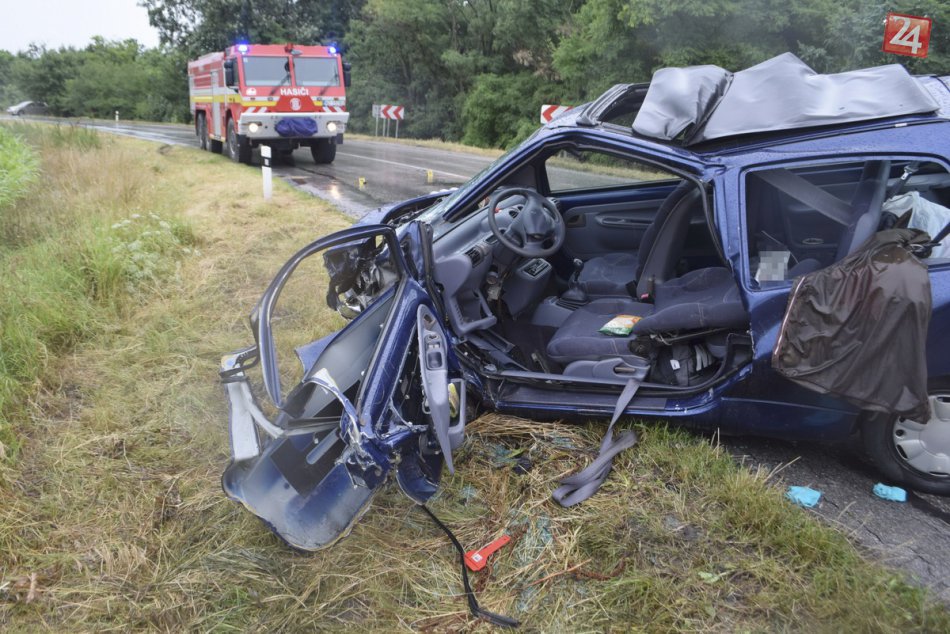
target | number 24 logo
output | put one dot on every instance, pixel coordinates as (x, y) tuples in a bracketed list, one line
[(906, 35)]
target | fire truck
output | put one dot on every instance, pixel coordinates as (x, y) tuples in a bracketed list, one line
[(284, 96)]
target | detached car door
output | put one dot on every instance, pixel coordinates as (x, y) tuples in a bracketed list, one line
[(345, 409)]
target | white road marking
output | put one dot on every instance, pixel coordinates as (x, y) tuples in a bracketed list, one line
[(398, 164)]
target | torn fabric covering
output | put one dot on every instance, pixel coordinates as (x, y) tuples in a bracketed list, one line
[(858, 328), (782, 93), (293, 126), (684, 101)]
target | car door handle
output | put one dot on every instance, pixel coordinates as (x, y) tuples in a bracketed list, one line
[(619, 221)]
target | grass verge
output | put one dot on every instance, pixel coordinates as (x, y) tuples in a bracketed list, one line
[(113, 518), (74, 250)]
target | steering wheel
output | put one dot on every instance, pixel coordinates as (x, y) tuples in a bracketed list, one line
[(538, 223)]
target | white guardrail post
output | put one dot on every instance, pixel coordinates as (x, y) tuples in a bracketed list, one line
[(266, 171)]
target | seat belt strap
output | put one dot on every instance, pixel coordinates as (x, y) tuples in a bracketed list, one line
[(805, 192), (943, 234), (576, 488)]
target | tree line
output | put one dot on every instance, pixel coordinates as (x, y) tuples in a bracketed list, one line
[(475, 71)]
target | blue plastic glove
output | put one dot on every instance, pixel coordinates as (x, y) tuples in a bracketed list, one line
[(803, 496), (894, 494)]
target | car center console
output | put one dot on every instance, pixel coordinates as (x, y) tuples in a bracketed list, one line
[(525, 286)]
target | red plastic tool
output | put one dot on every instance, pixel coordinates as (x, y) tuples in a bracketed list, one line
[(477, 559)]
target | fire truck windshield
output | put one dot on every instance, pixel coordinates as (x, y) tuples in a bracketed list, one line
[(266, 71), (316, 71)]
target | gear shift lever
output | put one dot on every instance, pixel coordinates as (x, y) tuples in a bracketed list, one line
[(578, 267), (575, 293)]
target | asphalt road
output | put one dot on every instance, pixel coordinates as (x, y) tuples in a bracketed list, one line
[(913, 537), (364, 175)]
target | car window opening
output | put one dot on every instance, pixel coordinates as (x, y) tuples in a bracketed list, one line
[(803, 218)]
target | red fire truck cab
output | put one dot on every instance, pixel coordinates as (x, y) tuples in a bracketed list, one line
[(284, 96)]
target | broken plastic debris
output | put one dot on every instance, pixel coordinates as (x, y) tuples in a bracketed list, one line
[(803, 496), (894, 494), (468, 493), (477, 559)]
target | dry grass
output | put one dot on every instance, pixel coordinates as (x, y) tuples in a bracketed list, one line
[(113, 518)]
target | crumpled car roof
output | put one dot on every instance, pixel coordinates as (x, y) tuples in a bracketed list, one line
[(696, 104)]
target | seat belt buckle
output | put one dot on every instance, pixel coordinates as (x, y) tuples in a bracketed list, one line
[(647, 297)]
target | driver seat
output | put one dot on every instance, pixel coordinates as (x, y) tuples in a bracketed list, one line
[(702, 299), (616, 274)]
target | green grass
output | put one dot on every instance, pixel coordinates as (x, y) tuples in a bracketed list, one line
[(18, 167), (72, 251), (113, 517)]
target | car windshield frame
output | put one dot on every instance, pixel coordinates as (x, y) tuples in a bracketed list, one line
[(306, 64), (433, 214), (254, 76)]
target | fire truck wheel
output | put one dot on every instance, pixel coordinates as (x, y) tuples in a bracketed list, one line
[(202, 132), (323, 151), (239, 148)]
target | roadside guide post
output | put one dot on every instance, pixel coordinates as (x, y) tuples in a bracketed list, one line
[(116, 116), (387, 113), (266, 171)]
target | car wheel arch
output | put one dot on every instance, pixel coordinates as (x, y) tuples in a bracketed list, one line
[(878, 435)]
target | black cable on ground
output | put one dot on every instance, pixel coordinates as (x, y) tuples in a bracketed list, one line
[(478, 612)]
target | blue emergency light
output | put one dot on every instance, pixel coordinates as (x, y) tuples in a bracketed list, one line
[(242, 48), (332, 50)]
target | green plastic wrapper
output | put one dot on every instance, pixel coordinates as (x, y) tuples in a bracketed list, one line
[(621, 325)]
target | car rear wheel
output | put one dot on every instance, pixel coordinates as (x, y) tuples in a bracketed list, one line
[(323, 151), (915, 454)]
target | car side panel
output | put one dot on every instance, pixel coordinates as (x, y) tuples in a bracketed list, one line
[(938, 336)]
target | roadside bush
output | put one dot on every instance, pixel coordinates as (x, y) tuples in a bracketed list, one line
[(501, 110), (147, 249)]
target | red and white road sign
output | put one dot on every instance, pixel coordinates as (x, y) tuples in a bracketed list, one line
[(384, 111), (906, 35), (549, 111)]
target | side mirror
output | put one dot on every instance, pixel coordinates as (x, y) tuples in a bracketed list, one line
[(229, 78), (346, 74)]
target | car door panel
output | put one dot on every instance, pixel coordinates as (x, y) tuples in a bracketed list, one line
[(600, 222), (311, 474), (597, 229)]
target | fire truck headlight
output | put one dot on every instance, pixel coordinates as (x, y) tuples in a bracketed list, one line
[(332, 126), (253, 128)]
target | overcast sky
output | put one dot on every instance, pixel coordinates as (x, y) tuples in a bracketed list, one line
[(71, 22)]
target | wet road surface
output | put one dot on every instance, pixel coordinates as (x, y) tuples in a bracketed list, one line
[(365, 174), (913, 537)]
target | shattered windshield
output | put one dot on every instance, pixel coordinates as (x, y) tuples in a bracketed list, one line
[(266, 71), (316, 71)]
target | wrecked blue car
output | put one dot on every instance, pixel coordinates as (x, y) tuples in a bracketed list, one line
[(656, 253)]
